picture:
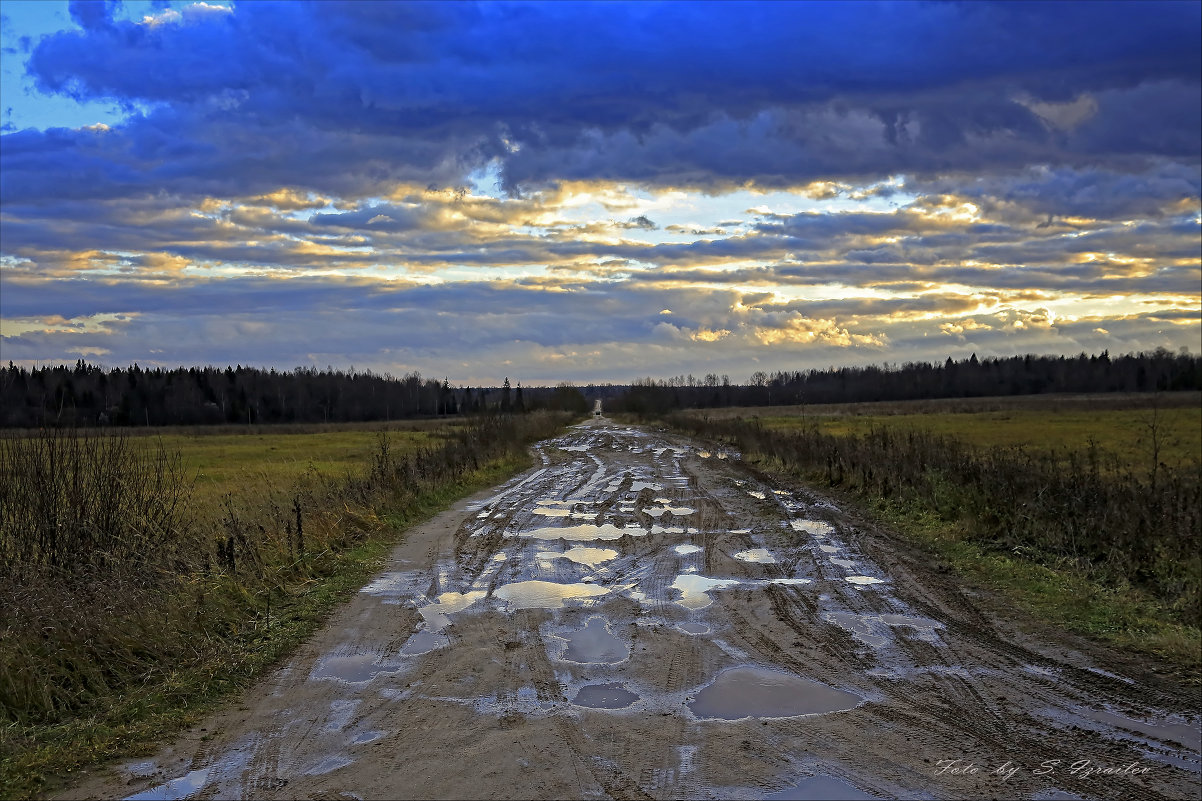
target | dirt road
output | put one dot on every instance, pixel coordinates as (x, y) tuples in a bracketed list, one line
[(640, 618)]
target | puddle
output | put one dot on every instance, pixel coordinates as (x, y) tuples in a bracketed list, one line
[(605, 696), (757, 692), (1180, 733), (829, 548), (685, 550), (367, 737), (357, 669), (500, 556), (658, 529), (545, 594), (847, 563), (860, 628), (639, 486), (863, 580), (792, 581), (551, 511), (585, 532), (423, 642), (180, 788), (694, 590), (448, 603), (329, 764), (659, 511), (757, 494), (815, 527), (820, 788), (341, 713), (690, 627), (760, 555), (590, 557), (595, 643)]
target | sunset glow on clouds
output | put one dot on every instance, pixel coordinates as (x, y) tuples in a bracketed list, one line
[(597, 192)]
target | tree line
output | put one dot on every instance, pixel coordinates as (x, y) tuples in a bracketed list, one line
[(1160, 370), (89, 395)]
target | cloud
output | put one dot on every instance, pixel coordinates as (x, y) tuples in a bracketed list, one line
[(346, 98)]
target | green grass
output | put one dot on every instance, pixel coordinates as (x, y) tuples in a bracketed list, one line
[(1124, 433), (1124, 617), (229, 462)]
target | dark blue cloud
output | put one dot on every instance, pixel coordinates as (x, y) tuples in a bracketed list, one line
[(347, 97)]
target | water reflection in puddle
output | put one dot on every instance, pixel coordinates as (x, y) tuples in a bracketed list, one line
[(590, 557), (448, 603), (423, 642), (585, 532), (760, 555), (690, 627), (694, 589), (367, 737), (757, 692), (685, 550), (605, 696), (658, 511), (819, 788), (595, 643), (545, 594), (183, 787), (863, 580), (356, 669), (815, 527)]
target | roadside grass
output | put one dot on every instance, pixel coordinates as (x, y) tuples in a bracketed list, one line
[(1122, 616), (1101, 542), (98, 667)]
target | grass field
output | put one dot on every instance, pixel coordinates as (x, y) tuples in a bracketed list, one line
[(1120, 425), (222, 461)]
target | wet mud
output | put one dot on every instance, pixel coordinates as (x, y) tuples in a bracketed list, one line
[(641, 616)]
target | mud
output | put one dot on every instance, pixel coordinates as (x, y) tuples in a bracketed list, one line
[(643, 617)]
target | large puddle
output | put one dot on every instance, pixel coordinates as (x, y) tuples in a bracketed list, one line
[(685, 550), (437, 614), (595, 643), (605, 696), (585, 532), (761, 555), (355, 669), (694, 590), (589, 557), (815, 527), (760, 693), (545, 594)]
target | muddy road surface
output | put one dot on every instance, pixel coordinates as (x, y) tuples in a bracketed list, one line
[(638, 617)]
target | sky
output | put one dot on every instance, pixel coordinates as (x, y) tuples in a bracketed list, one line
[(597, 192)]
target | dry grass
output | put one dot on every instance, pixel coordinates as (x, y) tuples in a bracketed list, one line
[(114, 641)]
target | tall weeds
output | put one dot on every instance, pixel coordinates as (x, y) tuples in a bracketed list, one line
[(1080, 510), (111, 583), (75, 502)]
